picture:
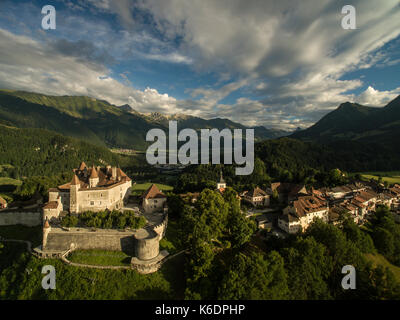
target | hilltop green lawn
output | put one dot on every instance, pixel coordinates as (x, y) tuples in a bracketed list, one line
[(20, 278), (100, 257), (139, 188), (391, 177)]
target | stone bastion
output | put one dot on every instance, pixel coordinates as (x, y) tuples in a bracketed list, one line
[(142, 244)]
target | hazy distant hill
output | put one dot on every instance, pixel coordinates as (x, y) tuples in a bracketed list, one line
[(351, 121), (98, 121)]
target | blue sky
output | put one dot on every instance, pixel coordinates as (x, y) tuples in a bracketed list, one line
[(278, 64)]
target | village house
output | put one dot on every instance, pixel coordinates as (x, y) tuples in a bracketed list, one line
[(257, 197), (3, 203), (153, 200), (340, 192), (298, 215), (287, 191), (264, 221), (91, 189), (395, 190)]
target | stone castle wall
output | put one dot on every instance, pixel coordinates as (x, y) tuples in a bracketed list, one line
[(26, 218), (105, 239), (161, 228)]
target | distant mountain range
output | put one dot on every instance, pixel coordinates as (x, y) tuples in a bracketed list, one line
[(355, 122), (99, 122)]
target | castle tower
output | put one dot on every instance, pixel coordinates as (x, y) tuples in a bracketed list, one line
[(93, 178), (46, 230), (221, 184), (74, 194)]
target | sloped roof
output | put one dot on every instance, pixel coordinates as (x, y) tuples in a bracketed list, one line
[(256, 192), (46, 224), (2, 201), (153, 192), (93, 173), (307, 204), (82, 166), (81, 177), (51, 205), (75, 180)]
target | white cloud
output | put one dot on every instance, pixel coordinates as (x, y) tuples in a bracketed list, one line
[(26, 64), (289, 56), (376, 98)]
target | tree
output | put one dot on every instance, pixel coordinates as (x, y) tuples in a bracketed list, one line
[(255, 277), (175, 205), (308, 266)]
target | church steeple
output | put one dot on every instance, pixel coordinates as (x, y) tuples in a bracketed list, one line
[(221, 184)]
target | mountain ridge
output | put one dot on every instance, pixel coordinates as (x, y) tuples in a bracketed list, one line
[(353, 121), (98, 121)]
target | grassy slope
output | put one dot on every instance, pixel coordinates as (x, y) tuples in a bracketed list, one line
[(82, 283), (390, 176), (378, 259)]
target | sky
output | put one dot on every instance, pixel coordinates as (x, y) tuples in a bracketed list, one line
[(280, 64)]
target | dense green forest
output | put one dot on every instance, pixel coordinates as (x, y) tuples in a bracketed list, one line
[(39, 152), (291, 160), (227, 262)]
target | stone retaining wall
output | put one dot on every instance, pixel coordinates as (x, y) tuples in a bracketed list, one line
[(104, 239), (26, 218)]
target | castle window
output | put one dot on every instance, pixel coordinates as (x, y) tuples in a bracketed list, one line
[(92, 203)]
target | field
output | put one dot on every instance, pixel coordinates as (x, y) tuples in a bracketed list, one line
[(139, 188), (391, 177), (100, 257), (378, 259)]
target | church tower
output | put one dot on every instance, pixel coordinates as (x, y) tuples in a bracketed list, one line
[(221, 184)]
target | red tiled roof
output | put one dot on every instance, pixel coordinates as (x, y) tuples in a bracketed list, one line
[(46, 224), (153, 192), (82, 166), (51, 205), (307, 204), (93, 173), (75, 180), (2, 201), (256, 192)]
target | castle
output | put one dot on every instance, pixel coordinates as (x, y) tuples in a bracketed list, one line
[(91, 189), (96, 189)]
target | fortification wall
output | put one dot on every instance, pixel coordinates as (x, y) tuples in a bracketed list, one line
[(161, 228), (26, 218), (106, 239)]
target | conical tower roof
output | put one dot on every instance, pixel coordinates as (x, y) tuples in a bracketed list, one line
[(93, 173), (46, 224), (75, 181), (82, 166)]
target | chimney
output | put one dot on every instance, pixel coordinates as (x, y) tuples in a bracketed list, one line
[(114, 173)]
